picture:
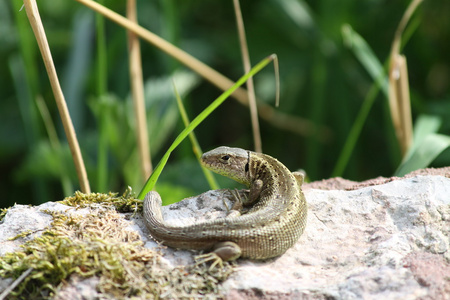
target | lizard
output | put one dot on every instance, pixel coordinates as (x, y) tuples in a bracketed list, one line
[(273, 224)]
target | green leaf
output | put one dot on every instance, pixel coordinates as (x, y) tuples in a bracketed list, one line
[(426, 147), (425, 125), (433, 145), (195, 145), (162, 111), (119, 118), (298, 11), (366, 57), (203, 115), (46, 162)]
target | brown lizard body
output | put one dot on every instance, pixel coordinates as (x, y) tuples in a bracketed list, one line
[(271, 226)]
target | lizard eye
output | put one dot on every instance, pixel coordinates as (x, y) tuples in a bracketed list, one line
[(225, 158)]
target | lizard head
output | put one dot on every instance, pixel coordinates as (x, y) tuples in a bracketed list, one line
[(230, 162)]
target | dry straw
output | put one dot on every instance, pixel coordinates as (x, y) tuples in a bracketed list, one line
[(399, 100), (38, 29)]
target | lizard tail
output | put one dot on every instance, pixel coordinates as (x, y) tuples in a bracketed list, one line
[(174, 236), (152, 211)]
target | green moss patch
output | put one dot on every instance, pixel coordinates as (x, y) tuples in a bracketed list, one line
[(3, 212), (125, 203), (100, 245)]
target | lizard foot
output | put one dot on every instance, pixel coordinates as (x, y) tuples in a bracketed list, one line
[(212, 256), (236, 196), (223, 251)]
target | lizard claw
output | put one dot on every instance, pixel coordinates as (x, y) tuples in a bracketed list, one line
[(212, 256), (223, 251)]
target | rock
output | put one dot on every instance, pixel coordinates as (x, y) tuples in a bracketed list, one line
[(79, 289), (389, 241), (24, 219), (359, 244)]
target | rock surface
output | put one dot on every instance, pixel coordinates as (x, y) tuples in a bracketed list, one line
[(22, 219), (389, 241)]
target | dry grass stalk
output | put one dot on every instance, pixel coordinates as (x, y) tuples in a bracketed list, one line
[(399, 100), (38, 29), (400, 103), (250, 85), (137, 88), (16, 282), (294, 124)]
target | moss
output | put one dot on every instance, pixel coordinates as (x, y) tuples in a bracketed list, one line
[(21, 235), (125, 203), (3, 212), (99, 245)]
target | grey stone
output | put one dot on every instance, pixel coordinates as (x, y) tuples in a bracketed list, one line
[(389, 241), (354, 246)]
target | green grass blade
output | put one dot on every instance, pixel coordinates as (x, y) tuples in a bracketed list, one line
[(66, 183), (195, 145), (433, 145), (425, 125), (427, 145), (355, 131), (206, 112), (299, 12), (366, 57)]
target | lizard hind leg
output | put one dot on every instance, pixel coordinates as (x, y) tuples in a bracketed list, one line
[(223, 251)]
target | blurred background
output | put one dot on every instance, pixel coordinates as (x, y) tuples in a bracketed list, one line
[(322, 83)]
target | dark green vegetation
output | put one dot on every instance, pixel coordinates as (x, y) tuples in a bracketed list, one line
[(321, 81)]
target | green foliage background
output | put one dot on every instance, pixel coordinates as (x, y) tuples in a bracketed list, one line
[(321, 81)]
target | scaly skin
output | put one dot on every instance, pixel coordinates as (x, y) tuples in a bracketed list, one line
[(272, 225)]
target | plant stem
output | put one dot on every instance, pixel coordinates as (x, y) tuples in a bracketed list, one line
[(38, 29)]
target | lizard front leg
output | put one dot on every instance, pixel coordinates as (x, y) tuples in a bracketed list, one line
[(255, 191), (248, 198)]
